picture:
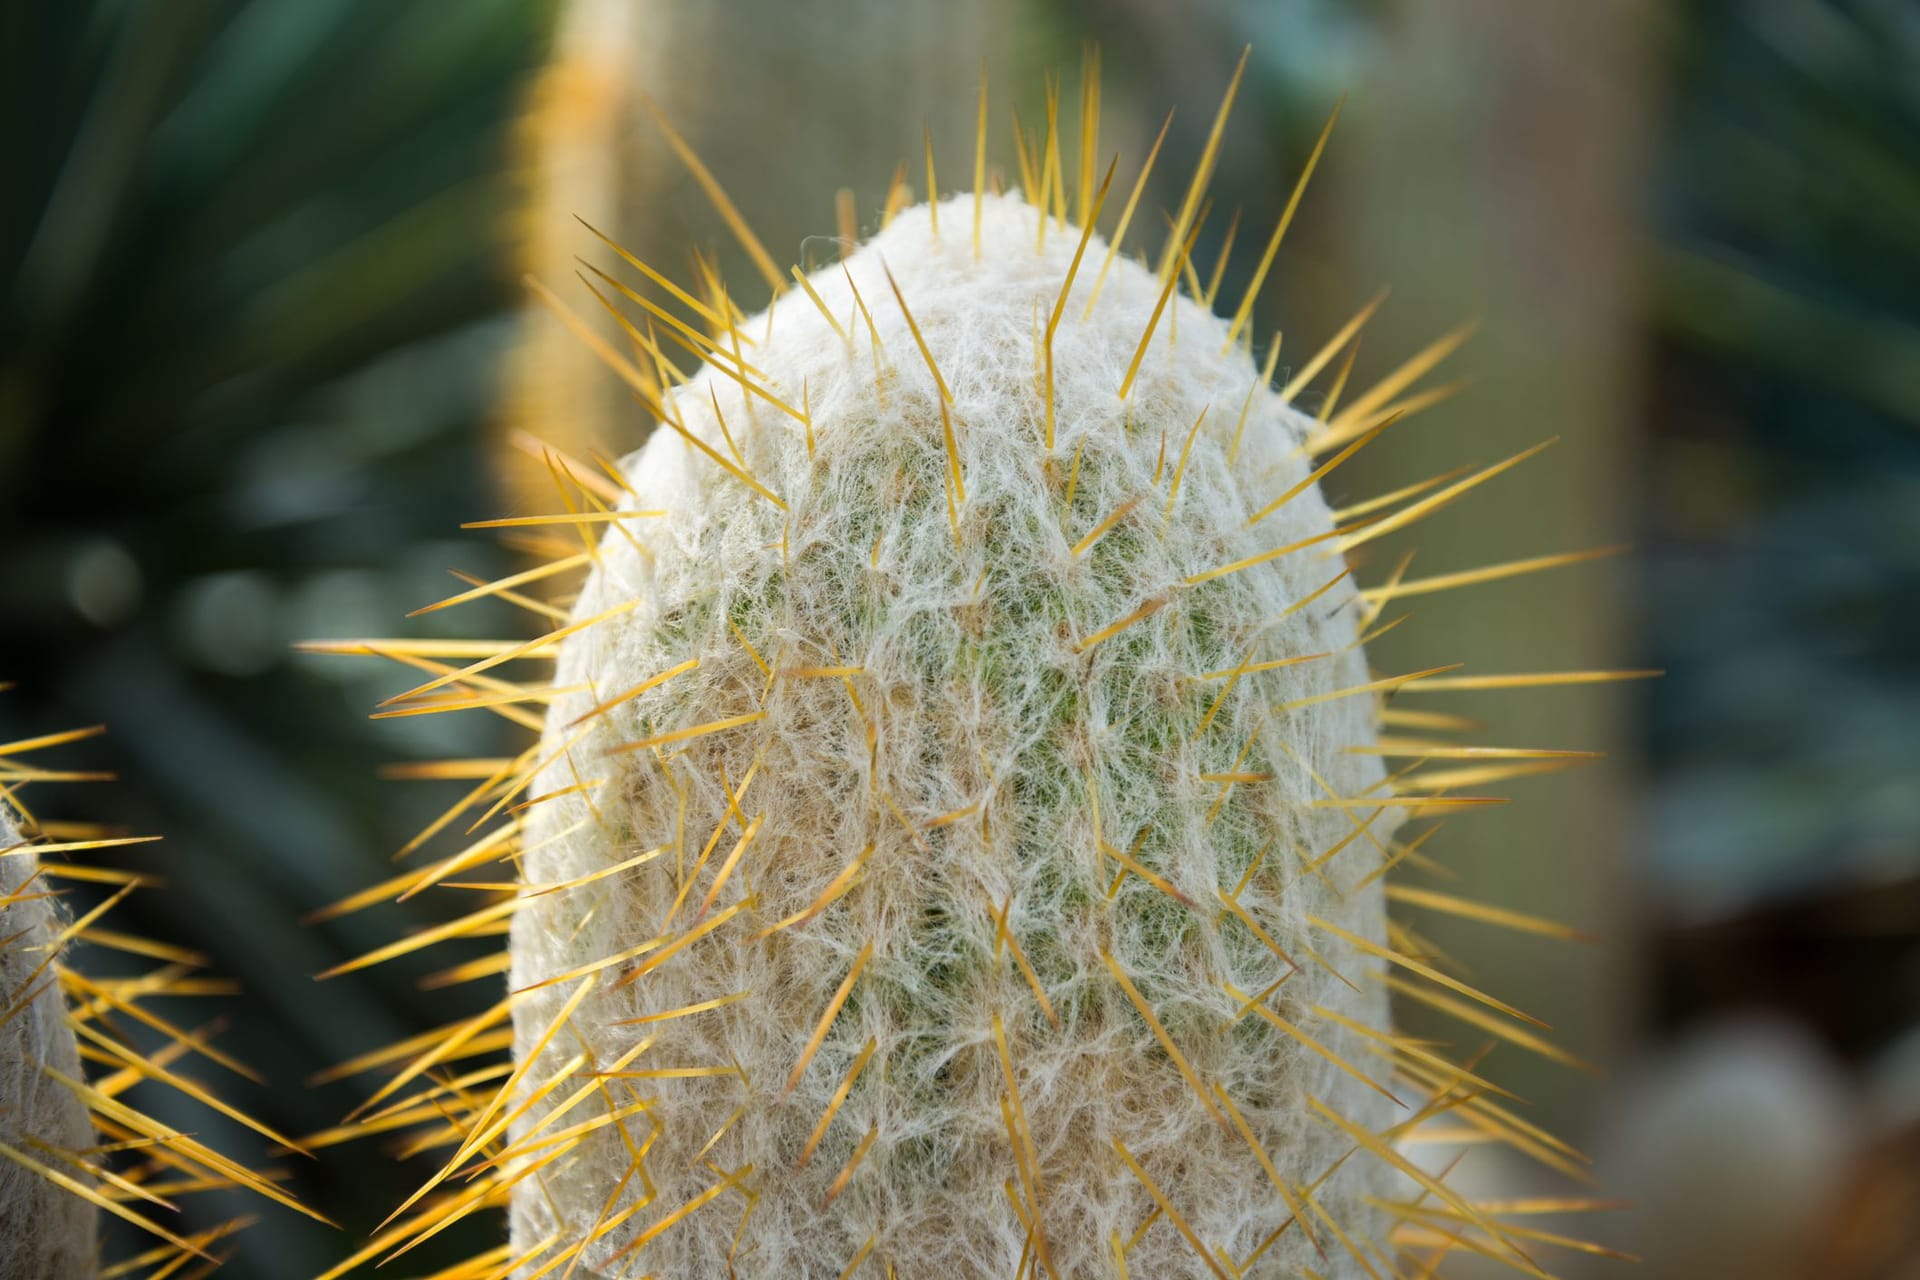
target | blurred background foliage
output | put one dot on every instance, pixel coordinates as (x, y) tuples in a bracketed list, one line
[(260, 356), (250, 295), (1783, 501)]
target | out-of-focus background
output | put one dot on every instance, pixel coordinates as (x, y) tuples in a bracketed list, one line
[(261, 352)]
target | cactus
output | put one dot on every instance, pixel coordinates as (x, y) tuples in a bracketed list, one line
[(1000, 864), (72, 1148), (51, 1232), (957, 836)]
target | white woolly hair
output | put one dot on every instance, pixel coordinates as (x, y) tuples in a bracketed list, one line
[(775, 1001), (46, 1232)]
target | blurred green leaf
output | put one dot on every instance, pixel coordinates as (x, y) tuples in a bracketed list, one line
[(251, 300)]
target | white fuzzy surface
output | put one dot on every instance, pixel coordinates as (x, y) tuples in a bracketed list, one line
[(46, 1233), (974, 697)]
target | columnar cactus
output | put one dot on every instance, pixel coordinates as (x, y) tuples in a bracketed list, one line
[(50, 1233), (946, 802), (71, 1147)]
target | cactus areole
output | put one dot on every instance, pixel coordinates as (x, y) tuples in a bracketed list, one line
[(949, 843)]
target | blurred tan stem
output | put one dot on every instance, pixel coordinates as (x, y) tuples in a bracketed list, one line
[(1489, 168), (784, 103)]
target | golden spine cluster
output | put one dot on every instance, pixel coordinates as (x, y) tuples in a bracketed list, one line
[(74, 1145)]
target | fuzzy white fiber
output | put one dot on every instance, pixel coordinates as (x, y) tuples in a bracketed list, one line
[(46, 1232), (982, 752)]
